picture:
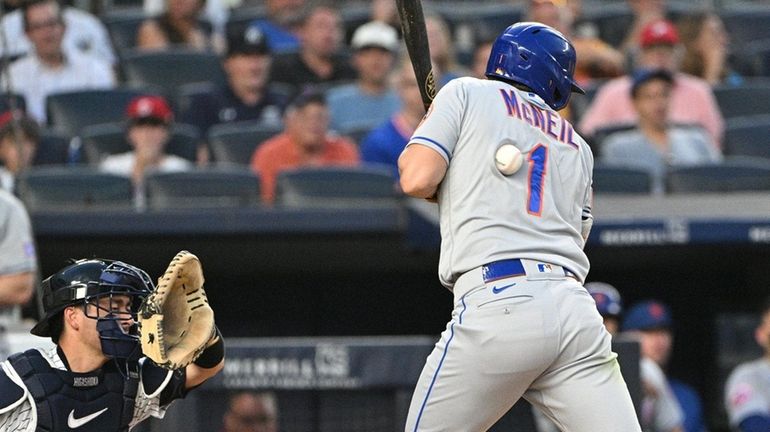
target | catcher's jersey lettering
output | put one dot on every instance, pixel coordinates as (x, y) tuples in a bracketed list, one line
[(538, 158), (546, 120)]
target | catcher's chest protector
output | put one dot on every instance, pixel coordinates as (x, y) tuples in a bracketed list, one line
[(70, 401)]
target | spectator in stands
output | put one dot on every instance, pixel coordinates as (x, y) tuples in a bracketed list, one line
[(178, 26), (319, 59), (608, 302), (148, 131), (50, 69), (281, 24), (481, 57), (250, 411), (442, 52), (370, 100), (384, 144), (650, 321), (747, 393), (385, 11), (247, 94), (306, 141), (692, 101), (18, 144), (645, 12), (655, 144), (707, 48), (85, 35), (18, 264)]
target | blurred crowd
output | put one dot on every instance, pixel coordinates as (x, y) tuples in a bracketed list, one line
[(329, 87), (302, 84)]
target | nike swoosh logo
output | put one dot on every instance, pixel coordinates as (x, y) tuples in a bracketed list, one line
[(498, 290), (74, 423)]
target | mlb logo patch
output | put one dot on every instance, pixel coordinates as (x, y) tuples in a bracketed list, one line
[(544, 268)]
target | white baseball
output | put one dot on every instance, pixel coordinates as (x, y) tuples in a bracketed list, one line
[(508, 159)]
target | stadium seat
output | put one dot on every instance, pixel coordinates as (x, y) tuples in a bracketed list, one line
[(74, 189), (165, 71), (733, 175), (69, 113), (18, 100), (748, 136), (52, 149), (204, 188), (110, 138), (336, 187), (746, 23), (750, 98), (621, 180), (123, 26), (234, 143)]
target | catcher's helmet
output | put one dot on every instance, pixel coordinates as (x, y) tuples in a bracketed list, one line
[(87, 280), (538, 57), (607, 298)]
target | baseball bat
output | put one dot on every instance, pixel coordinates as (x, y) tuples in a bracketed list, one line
[(416, 40)]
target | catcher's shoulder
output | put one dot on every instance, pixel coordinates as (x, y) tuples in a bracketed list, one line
[(12, 390)]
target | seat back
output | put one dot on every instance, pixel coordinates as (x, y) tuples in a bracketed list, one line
[(336, 187), (235, 143), (166, 71), (750, 98), (74, 189), (733, 175), (102, 140), (204, 188), (611, 179), (748, 136), (69, 113)]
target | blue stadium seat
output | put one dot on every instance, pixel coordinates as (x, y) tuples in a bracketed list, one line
[(748, 136), (74, 189), (234, 143), (365, 186), (217, 187), (750, 98), (101, 140), (166, 71), (69, 113), (733, 175), (612, 179)]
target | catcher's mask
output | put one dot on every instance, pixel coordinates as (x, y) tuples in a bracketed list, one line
[(114, 289)]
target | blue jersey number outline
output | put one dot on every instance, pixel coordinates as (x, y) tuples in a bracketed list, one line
[(537, 159)]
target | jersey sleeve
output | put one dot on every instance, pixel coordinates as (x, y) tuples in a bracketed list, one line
[(17, 249), (742, 398), (440, 129)]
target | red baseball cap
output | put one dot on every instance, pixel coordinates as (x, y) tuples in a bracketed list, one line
[(149, 107), (658, 32)]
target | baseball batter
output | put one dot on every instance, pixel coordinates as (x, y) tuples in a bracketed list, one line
[(512, 248), (747, 392)]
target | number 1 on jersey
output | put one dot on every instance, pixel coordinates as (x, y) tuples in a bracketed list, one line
[(537, 159)]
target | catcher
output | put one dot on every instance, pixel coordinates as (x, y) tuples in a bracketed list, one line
[(100, 376)]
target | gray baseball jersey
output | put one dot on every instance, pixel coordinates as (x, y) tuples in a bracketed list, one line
[(485, 216), (747, 391), (17, 254), (512, 253)]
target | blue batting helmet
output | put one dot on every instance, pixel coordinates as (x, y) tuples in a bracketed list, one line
[(538, 57)]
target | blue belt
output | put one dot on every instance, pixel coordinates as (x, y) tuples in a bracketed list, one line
[(511, 268), (502, 269)]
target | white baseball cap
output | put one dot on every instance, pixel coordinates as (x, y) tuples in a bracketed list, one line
[(375, 34)]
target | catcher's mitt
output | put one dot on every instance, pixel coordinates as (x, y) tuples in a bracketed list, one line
[(176, 320)]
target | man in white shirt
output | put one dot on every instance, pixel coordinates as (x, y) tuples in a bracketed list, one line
[(85, 35), (51, 69)]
